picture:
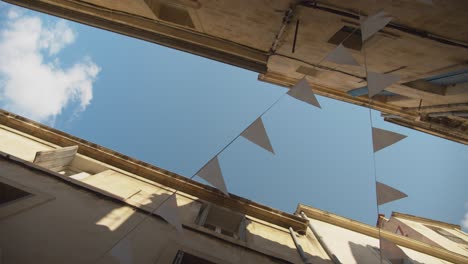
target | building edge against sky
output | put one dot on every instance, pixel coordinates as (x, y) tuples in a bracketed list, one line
[(286, 40), (98, 205)]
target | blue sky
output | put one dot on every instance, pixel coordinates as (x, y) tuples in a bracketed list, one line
[(176, 110)]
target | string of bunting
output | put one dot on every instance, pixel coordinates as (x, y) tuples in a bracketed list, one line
[(302, 91), (211, 171), (376, 83), (256, 132)]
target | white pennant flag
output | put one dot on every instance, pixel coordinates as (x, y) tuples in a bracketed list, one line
[(386, 194), (341, 55), (169, 211), (303, 92), (383, 138), (372, 24), (211, 173), (257, 134), (377, 82)]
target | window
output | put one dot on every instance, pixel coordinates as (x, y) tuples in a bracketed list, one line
[(222, 221), (15, 198), (351, 37), (447, 235), (185, 258), (171, 13), (9, 193)]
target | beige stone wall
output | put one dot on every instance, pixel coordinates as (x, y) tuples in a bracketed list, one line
[(396, 226), (422, 42), (21, 145), (79, 219), (74, 225), (353, 247), (437, 238), (85, 216)]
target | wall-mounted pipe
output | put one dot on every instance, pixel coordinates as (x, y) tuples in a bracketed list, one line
[(299, 247), (288, 15), (322, 243)]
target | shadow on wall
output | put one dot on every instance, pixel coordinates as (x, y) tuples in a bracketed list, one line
[(75, 226), (144, 244), (283, 249), (391, 253), (82, 226), (364, 254)]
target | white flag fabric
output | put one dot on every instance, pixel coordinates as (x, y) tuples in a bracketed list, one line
[(303, 92), (169, 211), (372, 24), (211, 173), (341, 55), (382, 138), (257, 134), (377, 82), (386, 194)]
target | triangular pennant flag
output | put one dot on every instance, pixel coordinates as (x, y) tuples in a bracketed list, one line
[(386, 194), (383, 138), (303, 92), (372, 24), (169, 211), (211, 173), (341, 55), (257, 134), (377, 82)]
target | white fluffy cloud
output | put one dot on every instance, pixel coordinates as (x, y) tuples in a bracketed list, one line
[(464, 222), (32, 82)]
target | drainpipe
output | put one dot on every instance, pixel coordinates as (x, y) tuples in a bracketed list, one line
[(332, 256), (299, 247), (288, 15)]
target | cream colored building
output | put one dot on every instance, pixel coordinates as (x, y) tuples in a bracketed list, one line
[(425, 44), (67, 200)]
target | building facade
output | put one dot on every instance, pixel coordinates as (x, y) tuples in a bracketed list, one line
[(67, 200), (425, 45)]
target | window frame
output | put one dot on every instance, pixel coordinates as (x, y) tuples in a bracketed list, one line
[(21, 195), (201, 221), (171, 251), (34, 198), (180, 254)]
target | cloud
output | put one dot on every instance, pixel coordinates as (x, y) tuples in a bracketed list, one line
[(32, 81), (464, 221)]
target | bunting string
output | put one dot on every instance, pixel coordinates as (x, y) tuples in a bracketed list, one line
[(211, 171), (175, 192), (380, 138)]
